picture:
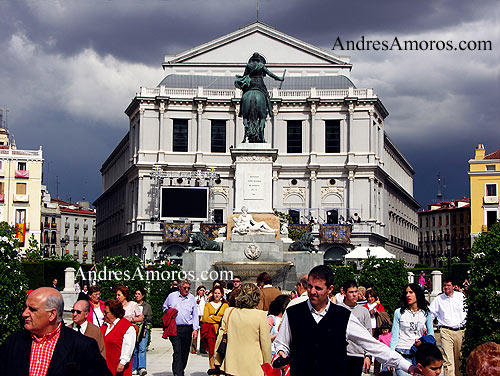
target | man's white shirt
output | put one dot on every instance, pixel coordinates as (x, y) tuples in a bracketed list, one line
[(355, 332), (450, 311)]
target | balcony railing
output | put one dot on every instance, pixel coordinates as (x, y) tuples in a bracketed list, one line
[(22, 174), (21, 198), (274, 93)]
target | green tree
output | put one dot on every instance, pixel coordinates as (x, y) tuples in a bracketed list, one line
[(387, 277), (13, 282), (33, 253), (341, 274), (483, 297)]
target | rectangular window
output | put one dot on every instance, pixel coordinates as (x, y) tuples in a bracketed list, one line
[(1, 188), (332, 136), (491, 168), (21, 166), (218, 215), (294, 136), (218, 136), (491, 189), (491, 218), (180, 135), (21, 188), (21, 216)]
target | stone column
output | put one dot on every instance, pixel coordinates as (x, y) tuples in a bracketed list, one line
[(350, 191), (161, 133), (69, 294), (69, 279), (411, 277), (254, 176), (371, 202), (199, 109), (437, 283)]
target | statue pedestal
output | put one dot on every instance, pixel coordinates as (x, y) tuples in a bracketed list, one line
[(254, 176)]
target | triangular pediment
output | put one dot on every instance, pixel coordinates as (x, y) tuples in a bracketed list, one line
[(279, 49)]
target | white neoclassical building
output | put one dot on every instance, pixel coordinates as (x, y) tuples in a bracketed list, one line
[(334, 161)]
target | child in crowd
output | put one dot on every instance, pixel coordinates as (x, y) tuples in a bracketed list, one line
[(429, 359), (385, 338)]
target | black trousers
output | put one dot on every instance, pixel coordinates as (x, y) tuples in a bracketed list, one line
[(354, 365), (181, 344)]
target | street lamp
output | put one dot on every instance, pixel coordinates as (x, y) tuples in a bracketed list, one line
[(448, 249)]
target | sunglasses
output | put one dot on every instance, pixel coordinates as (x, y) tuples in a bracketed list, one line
[(76, 310)]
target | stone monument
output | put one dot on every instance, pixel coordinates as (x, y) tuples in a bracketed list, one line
[(253, 238)]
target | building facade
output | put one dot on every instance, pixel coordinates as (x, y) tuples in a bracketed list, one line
[(20, 188), (484, 176), (444, 230), (78, 230), (50, 226), (334, 159)]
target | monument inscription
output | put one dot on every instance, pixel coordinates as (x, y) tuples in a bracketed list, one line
[(254, 188)]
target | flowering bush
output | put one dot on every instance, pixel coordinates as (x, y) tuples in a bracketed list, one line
[(483, 295), (13, 283)]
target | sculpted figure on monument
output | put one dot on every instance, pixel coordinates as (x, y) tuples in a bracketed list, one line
[(255, 102), (244, 223)]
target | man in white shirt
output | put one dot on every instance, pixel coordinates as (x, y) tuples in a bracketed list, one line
[(320, 331), (301, 287), (450, 311)]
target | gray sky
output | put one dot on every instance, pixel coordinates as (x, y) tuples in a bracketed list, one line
[(69, 69)]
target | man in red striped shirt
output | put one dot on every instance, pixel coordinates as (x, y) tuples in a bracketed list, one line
[(51, 347)]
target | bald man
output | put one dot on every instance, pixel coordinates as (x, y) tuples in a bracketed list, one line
[(79, 315), (46, 346)]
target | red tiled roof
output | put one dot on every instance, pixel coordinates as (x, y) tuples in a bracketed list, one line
[(77, 211), (494, 155)]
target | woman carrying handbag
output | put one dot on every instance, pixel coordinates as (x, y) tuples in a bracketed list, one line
[(246, 331)]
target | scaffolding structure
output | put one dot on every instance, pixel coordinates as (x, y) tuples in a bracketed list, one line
[(203, 178)]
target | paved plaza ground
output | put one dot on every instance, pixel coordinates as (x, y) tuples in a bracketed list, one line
[(159, 358)]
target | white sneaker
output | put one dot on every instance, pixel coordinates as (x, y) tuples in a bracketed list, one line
[(134, 372), (142, 372)]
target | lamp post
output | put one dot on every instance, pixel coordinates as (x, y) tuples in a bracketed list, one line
[(448, 249)]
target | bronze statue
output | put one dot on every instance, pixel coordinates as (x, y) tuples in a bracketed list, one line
[(255, 102)]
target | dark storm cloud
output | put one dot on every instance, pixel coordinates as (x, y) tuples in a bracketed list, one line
[(145, 31)]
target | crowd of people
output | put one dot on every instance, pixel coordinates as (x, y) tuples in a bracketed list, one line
[(245, 328)]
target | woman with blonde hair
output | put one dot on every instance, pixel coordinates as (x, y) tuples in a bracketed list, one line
[(247, 333)]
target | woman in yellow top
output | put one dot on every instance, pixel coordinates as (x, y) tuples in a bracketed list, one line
[(212, 315)]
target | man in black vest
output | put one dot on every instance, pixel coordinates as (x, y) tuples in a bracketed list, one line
[(314, 333)]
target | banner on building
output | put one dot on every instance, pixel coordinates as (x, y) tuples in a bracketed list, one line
[(177, 232), (21, 232)]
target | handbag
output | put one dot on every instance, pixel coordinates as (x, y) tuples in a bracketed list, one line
[(221, 350)]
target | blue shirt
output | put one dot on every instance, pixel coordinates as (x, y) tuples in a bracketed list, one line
[(186, 307)]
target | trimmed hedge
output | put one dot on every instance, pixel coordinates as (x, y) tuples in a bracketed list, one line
[(155, 279), (459, 272)]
